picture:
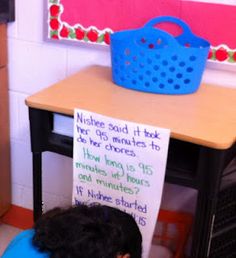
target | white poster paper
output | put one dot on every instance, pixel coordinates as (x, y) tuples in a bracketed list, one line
[(120, 164)]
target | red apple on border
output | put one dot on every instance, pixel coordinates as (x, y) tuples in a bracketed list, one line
[(210, 54), (54, 24), (64, 33), (92, 35), (79, 33), (107, 38), (54, 36), (234, 56), (54, 10), (221, 54)]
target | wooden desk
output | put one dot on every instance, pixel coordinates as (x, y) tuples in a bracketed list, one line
[(203, 134)]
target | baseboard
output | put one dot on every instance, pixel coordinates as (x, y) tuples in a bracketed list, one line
[(18, 217)]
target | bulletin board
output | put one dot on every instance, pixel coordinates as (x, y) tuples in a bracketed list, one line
[(92, 21)]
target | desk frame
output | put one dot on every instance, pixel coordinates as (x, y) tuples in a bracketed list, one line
[(207, 166)]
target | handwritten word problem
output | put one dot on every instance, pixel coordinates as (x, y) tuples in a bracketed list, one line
[(108, 136), (133, 207), (114, 168), (120, 164), (125, 141)]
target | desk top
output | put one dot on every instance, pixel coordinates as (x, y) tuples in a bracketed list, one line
[(207, 117)]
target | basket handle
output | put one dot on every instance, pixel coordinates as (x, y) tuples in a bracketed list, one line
[(186, 29)]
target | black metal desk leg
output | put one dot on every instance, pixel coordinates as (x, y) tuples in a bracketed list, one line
[(211, 168), (203, 227), (37, 184)]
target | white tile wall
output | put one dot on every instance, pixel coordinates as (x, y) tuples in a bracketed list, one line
[(57, 174), (79, 57), (17, 194), (19, 119), (21, 166), (33, 65), (30, 20)]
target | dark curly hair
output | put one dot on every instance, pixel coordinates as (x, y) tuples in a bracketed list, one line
[(82, 231)]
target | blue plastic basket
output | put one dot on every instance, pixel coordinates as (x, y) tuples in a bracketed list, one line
[(152, 60)]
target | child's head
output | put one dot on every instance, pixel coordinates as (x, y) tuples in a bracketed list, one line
[(82, 231)]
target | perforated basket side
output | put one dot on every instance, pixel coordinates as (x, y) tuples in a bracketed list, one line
[(166, 72)]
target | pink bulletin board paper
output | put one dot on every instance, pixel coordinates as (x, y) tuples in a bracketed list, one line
[(92, 21), (117, 15), (217, 24)]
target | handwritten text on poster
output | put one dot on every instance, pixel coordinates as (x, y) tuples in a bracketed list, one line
[(120, 164)]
